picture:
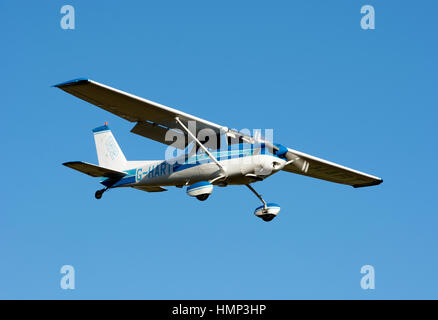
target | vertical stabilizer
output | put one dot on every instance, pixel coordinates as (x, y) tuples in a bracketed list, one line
[(108, 150)]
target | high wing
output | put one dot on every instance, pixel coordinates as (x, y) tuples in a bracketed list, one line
[(93, 170), (307, 165), (152, 119)]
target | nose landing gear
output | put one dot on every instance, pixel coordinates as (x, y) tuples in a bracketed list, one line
[(267, 211)]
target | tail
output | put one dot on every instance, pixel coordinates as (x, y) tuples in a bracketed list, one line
[(109, 153)]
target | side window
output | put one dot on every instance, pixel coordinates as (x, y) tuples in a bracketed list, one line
[(245, 149)]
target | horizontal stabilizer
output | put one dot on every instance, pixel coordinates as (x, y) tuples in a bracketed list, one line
[(93, 170), (150, 188)]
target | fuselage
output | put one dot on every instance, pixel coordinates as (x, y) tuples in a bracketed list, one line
[(241, 166)]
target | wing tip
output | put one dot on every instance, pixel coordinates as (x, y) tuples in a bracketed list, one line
[(72, 82), (370, 184), (70, 162)]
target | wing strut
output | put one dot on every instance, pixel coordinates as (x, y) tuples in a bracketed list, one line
[(221, 167)]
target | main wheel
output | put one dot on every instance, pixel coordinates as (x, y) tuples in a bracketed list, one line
[(202, 197), (268, 217), (98, 194), (267, 213)]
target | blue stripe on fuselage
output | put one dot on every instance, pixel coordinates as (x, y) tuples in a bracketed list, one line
[(204, 158), (137, 174), (124, 181)]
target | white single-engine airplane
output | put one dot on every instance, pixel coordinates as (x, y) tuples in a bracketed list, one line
[(205, 165)]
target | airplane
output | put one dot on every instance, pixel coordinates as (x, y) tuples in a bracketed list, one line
[(200, 163)]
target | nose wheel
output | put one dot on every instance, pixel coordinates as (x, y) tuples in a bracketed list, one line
[(267, 211)]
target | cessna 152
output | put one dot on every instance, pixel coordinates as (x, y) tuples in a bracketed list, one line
[(203, 167)]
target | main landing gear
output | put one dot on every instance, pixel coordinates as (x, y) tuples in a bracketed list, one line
[(267, 211), (99, 193)]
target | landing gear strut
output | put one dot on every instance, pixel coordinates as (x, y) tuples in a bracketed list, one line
[(267, 211), (99, 193)]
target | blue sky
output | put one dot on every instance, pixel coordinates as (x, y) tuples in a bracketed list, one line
[(365, 99)]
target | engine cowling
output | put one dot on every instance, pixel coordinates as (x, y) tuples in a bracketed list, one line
[(268, 213), (201, 190), (282, 150)]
